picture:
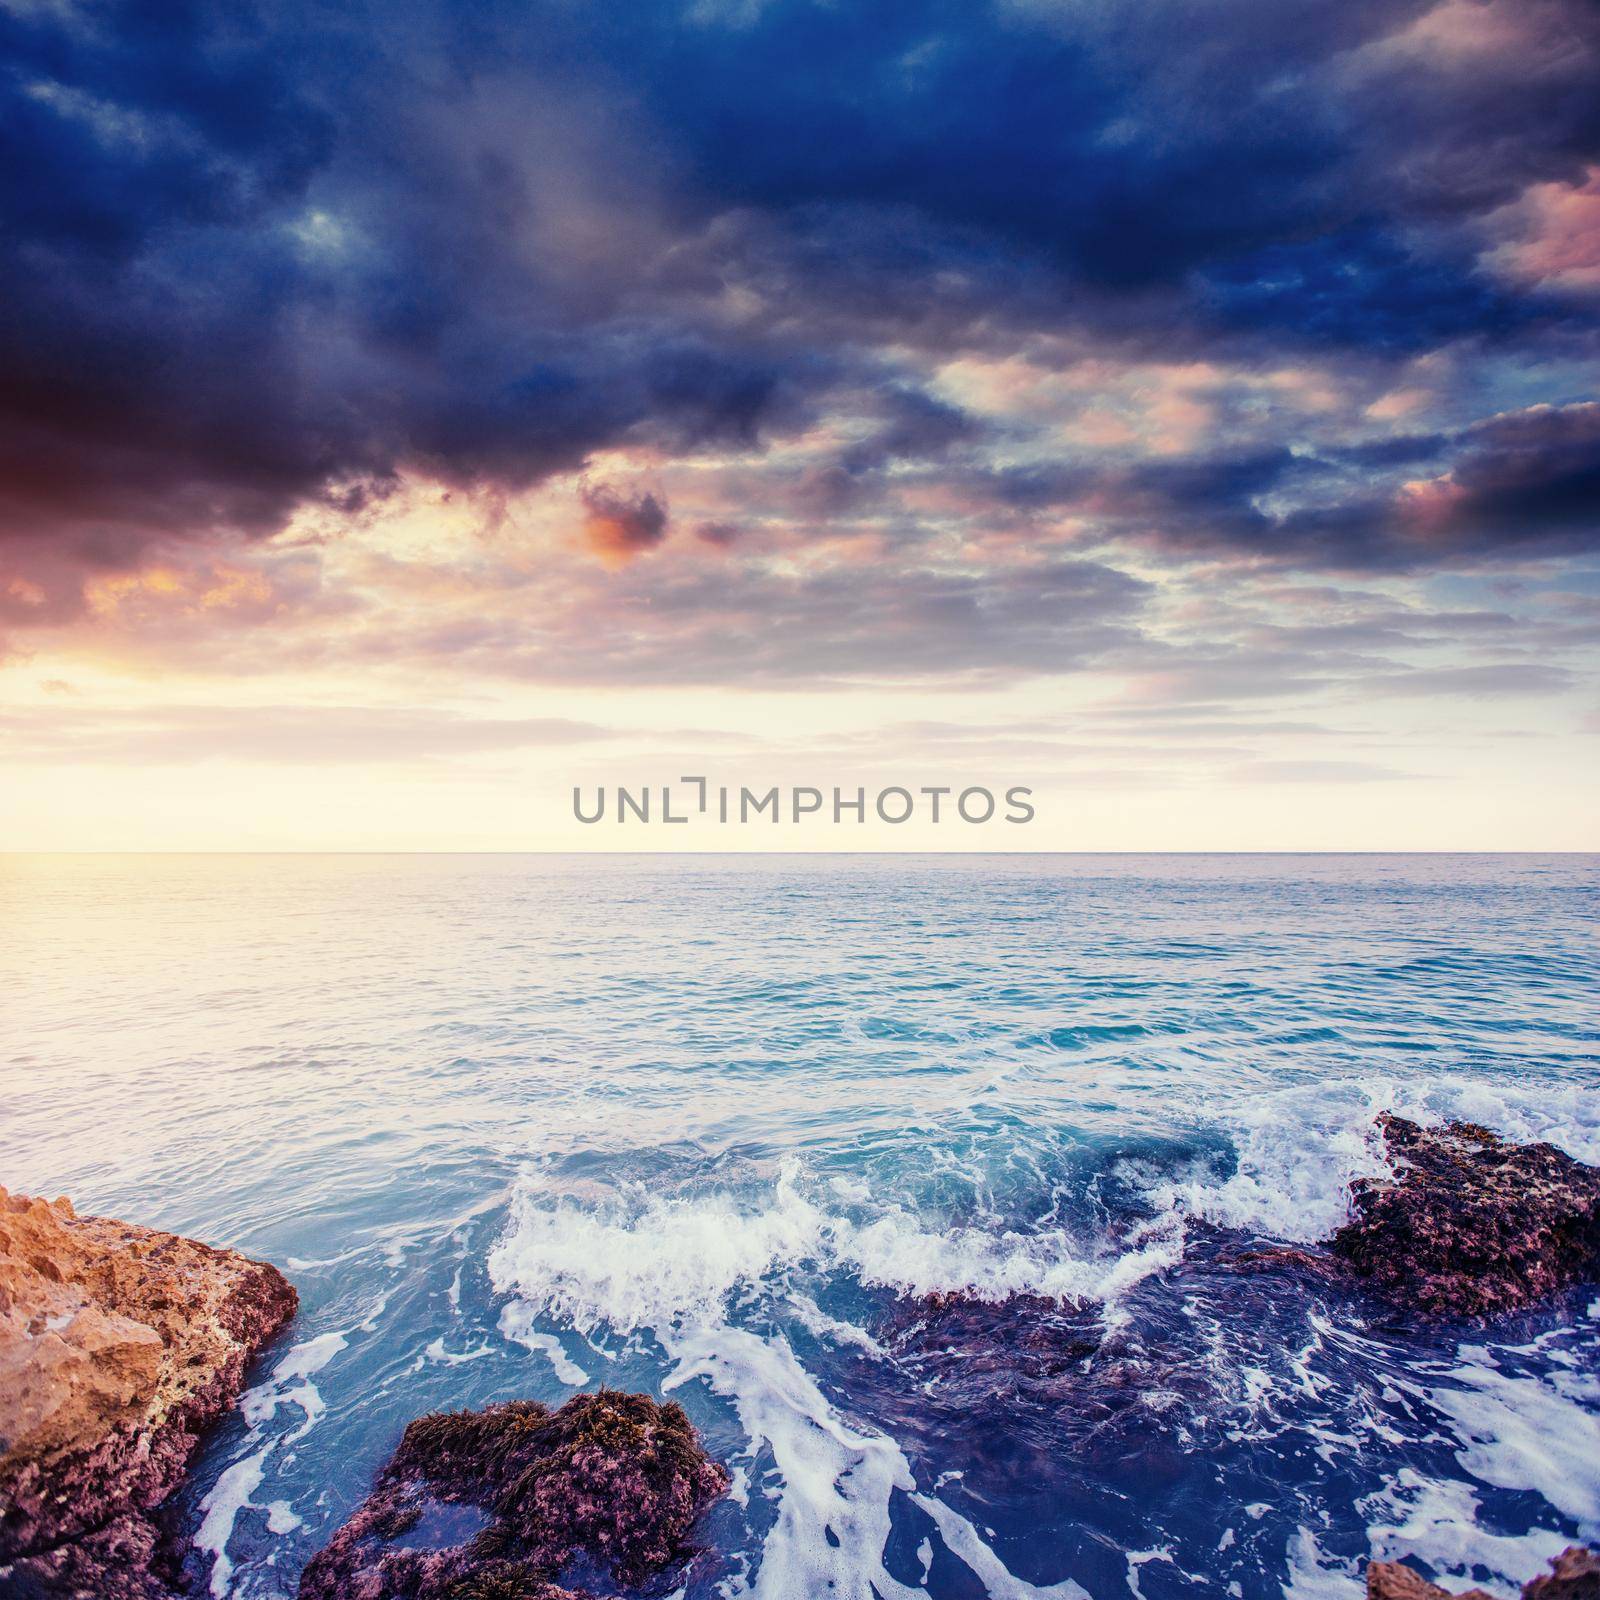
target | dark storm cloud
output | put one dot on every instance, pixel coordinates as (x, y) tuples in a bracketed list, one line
[(192, 346), (1532, 476), (1526, 483), (1523, 483), (1362, 287), (910, 426), (262, 259)]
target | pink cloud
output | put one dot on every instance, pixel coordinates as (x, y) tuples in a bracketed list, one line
[(1555, 230)]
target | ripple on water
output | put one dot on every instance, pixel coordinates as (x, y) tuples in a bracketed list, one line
[(517, 1125)]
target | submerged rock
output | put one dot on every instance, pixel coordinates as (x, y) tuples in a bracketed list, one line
[(118, 1346), (510, 1502), (1573, 1575), (1472, 1225), (973, 1352)]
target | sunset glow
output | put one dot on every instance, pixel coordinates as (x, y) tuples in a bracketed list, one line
[(408, 421)]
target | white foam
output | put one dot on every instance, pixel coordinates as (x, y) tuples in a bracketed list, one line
[(961, 1539), (288, 1384), (1438, 1522), (437, 1353), (516, 1324), (1314, 1575), (895, 1251), (1525, 1433), (1565, 1115), (649, 1259), (644, 1261), (837, 1479), (818, 1323), (1296, 1154), (1297, 1150), (1140, 1558), (673, 1266), (229, 1496), (281, 1518), (309, 1356)]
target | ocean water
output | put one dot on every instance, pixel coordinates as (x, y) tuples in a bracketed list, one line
[(713, 1127)]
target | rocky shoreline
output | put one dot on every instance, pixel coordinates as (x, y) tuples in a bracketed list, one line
[(120, 1346)]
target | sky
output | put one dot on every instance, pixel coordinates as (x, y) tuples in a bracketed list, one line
[(1185, 409)]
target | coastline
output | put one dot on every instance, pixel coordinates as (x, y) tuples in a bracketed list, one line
[(122, 1346), (825, 1157)]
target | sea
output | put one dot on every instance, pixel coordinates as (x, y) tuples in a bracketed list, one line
[(927, 1185)]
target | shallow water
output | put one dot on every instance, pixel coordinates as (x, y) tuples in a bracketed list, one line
[(707, 1127)]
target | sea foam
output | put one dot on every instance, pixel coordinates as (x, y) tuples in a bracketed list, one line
[(671, 1267)]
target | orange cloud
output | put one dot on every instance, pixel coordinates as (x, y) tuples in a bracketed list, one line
[(619, 526)]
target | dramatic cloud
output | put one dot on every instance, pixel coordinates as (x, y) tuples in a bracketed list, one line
[(1519, 484), (959, 338)]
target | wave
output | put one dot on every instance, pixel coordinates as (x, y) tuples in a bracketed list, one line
[(644, 1260), (719, 1278), (1289, 1157), (670, 1266)]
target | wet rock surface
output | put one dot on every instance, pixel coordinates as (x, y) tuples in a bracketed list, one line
[(119, 1345), (1028, 1365), (536, 1502), (1573, 1575), (1472, 1225), (987, 1343)]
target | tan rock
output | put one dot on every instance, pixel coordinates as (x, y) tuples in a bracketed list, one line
[(1573, 1575), (1394, 1580), (118, 1345)]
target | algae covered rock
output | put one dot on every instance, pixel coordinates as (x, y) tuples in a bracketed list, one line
[(1472, 1225), (506, 1503)]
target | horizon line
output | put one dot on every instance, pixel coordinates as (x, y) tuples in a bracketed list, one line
[(671, 854)]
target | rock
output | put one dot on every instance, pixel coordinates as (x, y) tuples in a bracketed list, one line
[(1573, 1575), (507, 1503), (119, 1345), (1310, 1266), (1393, 1580), (978, 1350), (126, 1560), (1472, 1225)]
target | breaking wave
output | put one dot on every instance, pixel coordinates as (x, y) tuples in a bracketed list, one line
[(723, 1277)]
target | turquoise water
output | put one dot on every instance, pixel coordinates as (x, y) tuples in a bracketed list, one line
[(710, 1126)]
